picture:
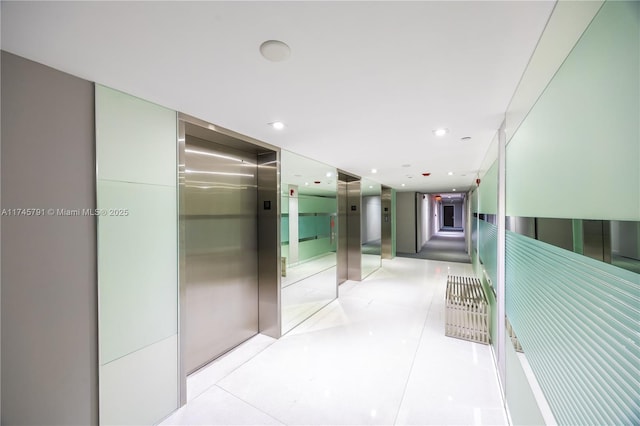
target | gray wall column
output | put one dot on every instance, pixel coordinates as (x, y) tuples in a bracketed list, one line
[(49, 292), (406, 222)]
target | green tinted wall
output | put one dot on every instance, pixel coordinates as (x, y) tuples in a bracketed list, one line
[(576, 155)]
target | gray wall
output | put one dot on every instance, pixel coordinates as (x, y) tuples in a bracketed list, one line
[(406, 223), (49, 301), (457, 214)]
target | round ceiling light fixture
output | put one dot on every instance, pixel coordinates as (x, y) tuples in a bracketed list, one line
[(275, 50), (441, 131), (278, 125)]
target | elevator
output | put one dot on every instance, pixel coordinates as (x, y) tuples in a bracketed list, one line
[(229, 246), (349, 255)]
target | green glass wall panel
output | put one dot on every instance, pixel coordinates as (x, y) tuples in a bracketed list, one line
[(316, 204), (314, 248), (284, 230), (315, 226), (488, 248), (580, 144), (577, 320), (488, 191), (137, 258)]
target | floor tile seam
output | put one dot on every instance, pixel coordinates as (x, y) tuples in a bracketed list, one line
[(249, 404), (413, 362), (420, 308), (233, 370), (310, 317)]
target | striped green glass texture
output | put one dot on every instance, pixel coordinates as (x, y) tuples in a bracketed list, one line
[(488, 248), (578, 322)]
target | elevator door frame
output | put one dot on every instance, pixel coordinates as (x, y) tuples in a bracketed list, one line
[(268, 210), (349, 257)]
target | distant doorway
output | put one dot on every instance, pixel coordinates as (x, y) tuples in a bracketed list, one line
[(447, 219)]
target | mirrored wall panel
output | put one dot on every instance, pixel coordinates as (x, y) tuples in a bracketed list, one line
[(308, 237), (371, 223)]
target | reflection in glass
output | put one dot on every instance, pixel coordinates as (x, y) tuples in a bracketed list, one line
[(371, 222), (610, 241), (308, 237)]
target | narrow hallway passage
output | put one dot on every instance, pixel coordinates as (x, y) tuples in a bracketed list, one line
[(377, 355), (445, 245)]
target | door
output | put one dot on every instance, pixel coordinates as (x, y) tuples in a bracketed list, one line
[(448, 216), (220, 215)]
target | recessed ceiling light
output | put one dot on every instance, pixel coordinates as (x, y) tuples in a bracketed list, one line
[(440, 132), (465, 138), (306, 184), (278, 125), (328, 174), (403, 184), (370, 186), (454, 190), (374, 170), (450, 173), (275, 50)]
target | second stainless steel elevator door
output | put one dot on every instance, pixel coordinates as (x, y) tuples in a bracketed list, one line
[(221, 250)]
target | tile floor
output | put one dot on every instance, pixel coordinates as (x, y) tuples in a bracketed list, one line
[(376, 355)]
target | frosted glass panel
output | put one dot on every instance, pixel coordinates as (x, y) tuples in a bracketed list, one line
[(136, 139), (581, 141), (138, 269), (488, 249), (488, 191), (137, 258), (141, 388), (577, 321)]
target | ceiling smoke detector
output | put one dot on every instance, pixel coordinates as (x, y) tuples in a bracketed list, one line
[(275, 50)]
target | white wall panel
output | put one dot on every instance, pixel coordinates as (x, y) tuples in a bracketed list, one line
[(137, 258), (142, 388)]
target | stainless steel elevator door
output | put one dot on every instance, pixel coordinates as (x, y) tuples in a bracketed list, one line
[(221, 245)]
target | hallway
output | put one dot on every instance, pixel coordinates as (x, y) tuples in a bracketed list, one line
[(445, 245), (377, 355)]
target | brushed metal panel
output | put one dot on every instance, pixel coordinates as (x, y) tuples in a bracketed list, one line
[(596, 242), (49, 273), (182, 271), (342, 251), (354, 241), (221, 250), (269, 297), (386, 223)]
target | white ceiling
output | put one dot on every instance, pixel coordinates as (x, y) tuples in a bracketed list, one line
[(365, 85)]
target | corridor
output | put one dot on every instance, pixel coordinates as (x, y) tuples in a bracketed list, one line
[(376, 355)]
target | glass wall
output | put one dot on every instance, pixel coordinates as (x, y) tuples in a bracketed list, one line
[(573, 196), (371, 226), (137, 258), (308, 237)]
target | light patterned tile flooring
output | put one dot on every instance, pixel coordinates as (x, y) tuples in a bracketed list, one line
[(376, 355)]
